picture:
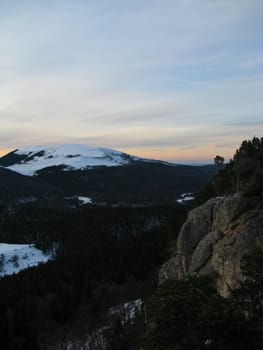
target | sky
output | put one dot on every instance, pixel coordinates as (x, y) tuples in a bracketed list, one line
[(177, 80)]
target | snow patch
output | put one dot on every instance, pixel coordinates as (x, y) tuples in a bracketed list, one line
[(185, 197), (84, 200), (128, 310), (17, 257)]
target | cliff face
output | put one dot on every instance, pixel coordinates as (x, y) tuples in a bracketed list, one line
[(214, 239)]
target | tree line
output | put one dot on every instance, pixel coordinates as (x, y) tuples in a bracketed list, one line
[(243, 174)]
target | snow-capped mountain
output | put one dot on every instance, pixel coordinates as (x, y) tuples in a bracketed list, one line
[(106, 175), (27, 161)]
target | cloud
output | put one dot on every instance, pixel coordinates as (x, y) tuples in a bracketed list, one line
[(138, 75), (246, 123)]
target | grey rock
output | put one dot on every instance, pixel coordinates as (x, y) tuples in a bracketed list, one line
[(214, 239)]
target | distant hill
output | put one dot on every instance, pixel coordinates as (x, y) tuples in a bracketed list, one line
[(30, 160), (105, 175)]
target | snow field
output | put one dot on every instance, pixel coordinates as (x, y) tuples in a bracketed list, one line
[(17, 257), (71, 156)]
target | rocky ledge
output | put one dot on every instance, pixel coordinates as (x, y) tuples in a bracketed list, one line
[(214, 239)]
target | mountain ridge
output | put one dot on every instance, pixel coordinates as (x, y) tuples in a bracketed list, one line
[(30, 160), (104, 175)]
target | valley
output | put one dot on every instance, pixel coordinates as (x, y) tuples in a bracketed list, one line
[(90, 256)]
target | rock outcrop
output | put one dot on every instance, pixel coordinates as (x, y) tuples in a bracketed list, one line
[(214, 239)]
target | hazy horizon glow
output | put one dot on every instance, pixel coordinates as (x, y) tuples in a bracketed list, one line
[(177, 80)]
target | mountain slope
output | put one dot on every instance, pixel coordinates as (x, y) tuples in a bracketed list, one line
[(137, 182), (28, 161), (16, 187)]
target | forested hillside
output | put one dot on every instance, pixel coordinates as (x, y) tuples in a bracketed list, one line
[(18, 188), (104, 256), (142, 182)]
